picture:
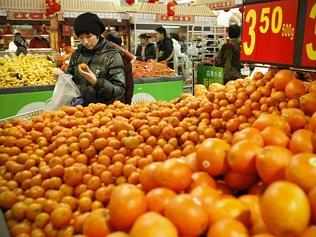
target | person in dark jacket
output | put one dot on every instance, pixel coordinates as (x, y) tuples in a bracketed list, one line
[(104, 79), (229, 55), (39, 42), (19, 42), (127, 59), (165, 46), (145, 50)]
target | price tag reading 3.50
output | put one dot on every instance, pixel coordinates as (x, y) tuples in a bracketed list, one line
[(269, 32)]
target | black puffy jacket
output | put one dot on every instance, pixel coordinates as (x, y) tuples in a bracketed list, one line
[(107, 64), (150, 52)]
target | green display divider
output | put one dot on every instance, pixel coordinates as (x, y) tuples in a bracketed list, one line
[(207, 74), (160, 90), (10, 104), (12, 100)]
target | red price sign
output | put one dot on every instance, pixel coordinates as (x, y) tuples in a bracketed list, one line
[(309, 46), (269, 32)]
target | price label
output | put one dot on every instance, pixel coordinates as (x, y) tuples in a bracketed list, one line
[(309, 46), (269, 31)]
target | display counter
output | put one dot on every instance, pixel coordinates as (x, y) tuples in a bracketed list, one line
[(24, 99), (159, 88)]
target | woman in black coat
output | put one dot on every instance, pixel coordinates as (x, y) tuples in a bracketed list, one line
[(103, 81), (145, 50)]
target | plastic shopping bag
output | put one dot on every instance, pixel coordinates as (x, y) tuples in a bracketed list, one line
[(64, 92)]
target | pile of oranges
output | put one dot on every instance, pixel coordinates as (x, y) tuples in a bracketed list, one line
[(234, 160)]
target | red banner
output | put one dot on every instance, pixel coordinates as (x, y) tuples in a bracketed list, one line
[(222, 4), (309, 46), (269, 32), (27, 16), (175, 18)]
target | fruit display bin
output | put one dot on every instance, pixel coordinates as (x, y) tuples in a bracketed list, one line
[(157, 88), (21, 100)]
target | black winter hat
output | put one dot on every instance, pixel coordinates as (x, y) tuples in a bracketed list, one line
[(88, 23), (233, 31)]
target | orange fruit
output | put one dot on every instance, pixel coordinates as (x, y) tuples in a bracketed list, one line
[(147, 179), (118, 234), (201, 178), (18, 211), (211, 156), (239, 181), (309, 232), (207, 196), (248, 134), (272, 162), (242, 156), (267, 120), (282, 201), (302, 170), (191, 161), (152, 224), (274, 136), (158, 198), (252, 202), (312, 123), (95, 224), (282, 78), (84, 67), (308, 103), (295, 117), (7, 199), (263, 235), (227, 228), (294, 89), (230, 208), (126, 198), (301, 141), (312, 201), (61, 216), (312, 87), (174, 174), (187, 215)]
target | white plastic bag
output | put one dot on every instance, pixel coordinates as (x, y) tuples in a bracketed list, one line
[(65, 90)]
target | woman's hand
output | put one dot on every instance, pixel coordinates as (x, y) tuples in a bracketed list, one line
[(88, 75)]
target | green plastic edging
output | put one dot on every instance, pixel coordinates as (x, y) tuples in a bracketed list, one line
[(11, 103)]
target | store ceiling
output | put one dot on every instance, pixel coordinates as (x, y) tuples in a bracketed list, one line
[(103, 6)]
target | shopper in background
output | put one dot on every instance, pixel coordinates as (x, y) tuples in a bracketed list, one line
[(39, 42), (145, 50), (229, 55), (178, 58), (127, 57), (20, 45), (164, 46), (2, 43), (104, 80), (12, 46), (182, 42)]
